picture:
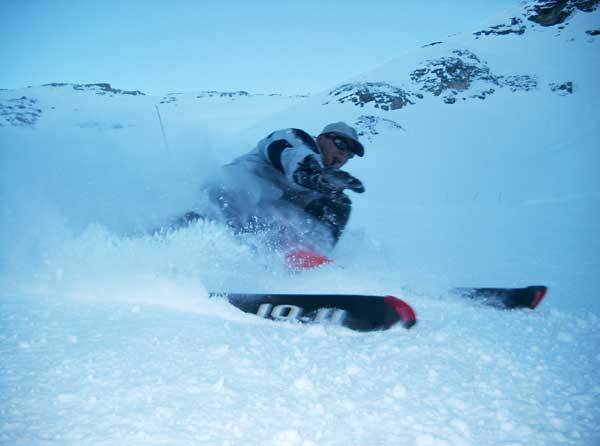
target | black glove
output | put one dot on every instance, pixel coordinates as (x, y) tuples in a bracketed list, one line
[(338, 180), (326, 180)]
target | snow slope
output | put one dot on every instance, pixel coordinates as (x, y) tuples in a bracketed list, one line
[(106, 333)]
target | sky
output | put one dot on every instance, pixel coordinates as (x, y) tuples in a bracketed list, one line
[(263, 46)]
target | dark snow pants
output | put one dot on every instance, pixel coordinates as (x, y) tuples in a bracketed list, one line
[(332, 212)]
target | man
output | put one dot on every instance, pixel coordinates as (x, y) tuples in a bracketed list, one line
[(291, 185)]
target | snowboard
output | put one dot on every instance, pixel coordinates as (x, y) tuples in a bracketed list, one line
[(367, 312), (353, 311), (506, 298)]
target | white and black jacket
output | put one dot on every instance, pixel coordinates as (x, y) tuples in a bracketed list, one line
[(286, 166), (280, 164)]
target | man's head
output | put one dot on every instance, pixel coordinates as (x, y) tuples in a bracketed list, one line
[(338, 143)]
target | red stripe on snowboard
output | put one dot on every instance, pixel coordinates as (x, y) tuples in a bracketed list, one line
[(407, 315)]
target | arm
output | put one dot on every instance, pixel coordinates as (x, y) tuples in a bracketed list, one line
[(311, 175), (296, 155)]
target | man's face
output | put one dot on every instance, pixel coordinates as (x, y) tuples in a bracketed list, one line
[(332, 155)]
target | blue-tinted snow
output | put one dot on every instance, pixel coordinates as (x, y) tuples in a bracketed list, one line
[(107, 335)]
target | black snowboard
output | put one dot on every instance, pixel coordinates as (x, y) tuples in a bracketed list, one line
[(357, 312), (506, 298), (366, 312)]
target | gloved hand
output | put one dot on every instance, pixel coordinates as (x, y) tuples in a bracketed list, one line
[(326, 180), (337, 180)]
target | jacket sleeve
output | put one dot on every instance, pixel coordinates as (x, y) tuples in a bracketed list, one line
[(295, 154), (326, 180), (287, 149)]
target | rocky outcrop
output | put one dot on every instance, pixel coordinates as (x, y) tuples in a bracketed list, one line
[(378, 94), (549, 13), (455, 73), (368, 125), (554, 12), (222, 94), (454, 77), (100, 89), (515, 26), (459, 76), (169, 99), (540, 12), (563, 89), (172, 98), (521, 82), (19, 112)]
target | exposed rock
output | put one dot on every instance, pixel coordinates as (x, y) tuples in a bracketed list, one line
[(56, 84), (222, 94), (467, 54), (593, 32), (514, 27), (553, 12), (448, 77), (562, 89), (483, 94), (367, 125), (172, 97), (586, 5), (100, 89), (518, 82), (550, 12), (169, 99), (432, 44), (20, 112), (540, 12), (380, 94), (461, 76), (452, 73), (102, 126)]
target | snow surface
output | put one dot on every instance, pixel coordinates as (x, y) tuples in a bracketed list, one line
[(107, 335)]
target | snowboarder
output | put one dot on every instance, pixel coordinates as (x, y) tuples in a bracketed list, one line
[(292, 185)]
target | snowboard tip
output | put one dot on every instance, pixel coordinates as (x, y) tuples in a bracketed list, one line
[(540, 293), (407, 315)]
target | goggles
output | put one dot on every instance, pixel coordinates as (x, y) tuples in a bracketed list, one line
[(343, 145)]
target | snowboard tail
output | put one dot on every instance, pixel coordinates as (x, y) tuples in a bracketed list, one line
[(506, 298)]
